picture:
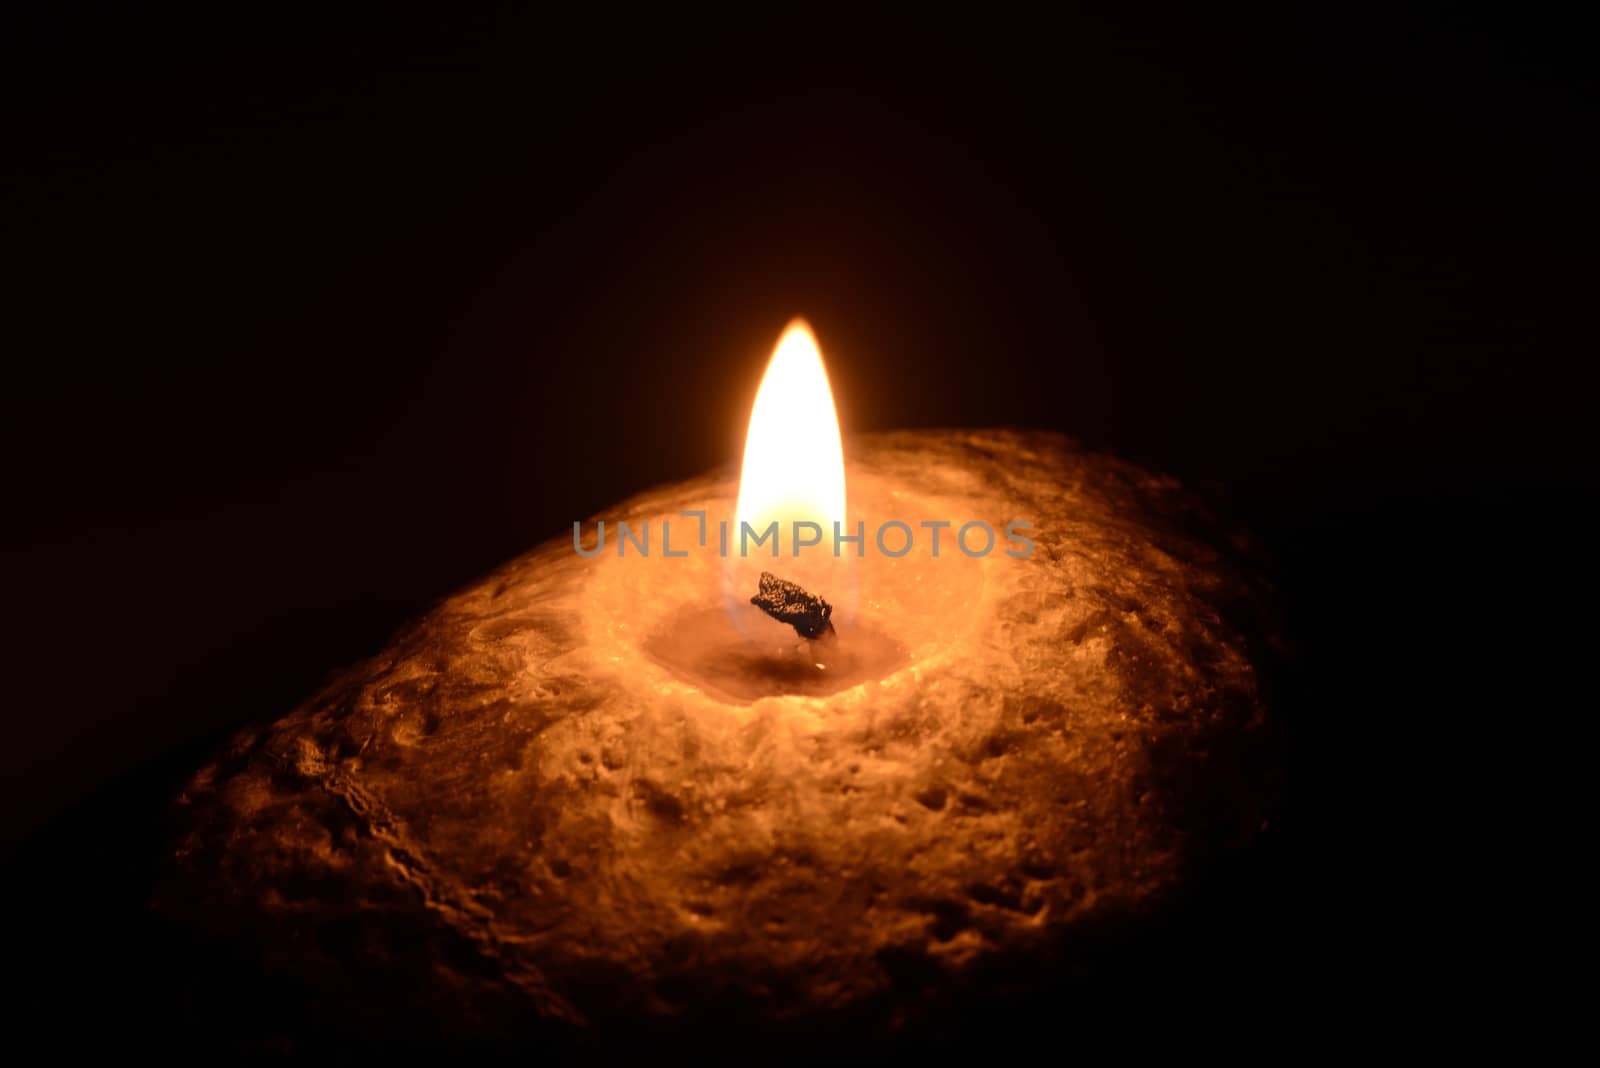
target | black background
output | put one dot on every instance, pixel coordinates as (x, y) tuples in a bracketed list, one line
[(312, 320)]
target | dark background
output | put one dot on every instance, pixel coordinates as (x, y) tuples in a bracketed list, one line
[(313, 320)]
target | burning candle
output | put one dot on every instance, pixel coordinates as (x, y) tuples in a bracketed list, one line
[(888, 605), (620, 790)]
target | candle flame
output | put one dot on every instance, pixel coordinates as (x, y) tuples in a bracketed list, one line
[(793, 459)]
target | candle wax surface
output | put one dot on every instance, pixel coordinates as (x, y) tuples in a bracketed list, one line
[(579, 791)]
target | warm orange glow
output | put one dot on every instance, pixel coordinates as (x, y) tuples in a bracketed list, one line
[(793, 460)]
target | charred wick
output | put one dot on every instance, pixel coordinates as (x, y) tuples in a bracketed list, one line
[(786, 602)]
